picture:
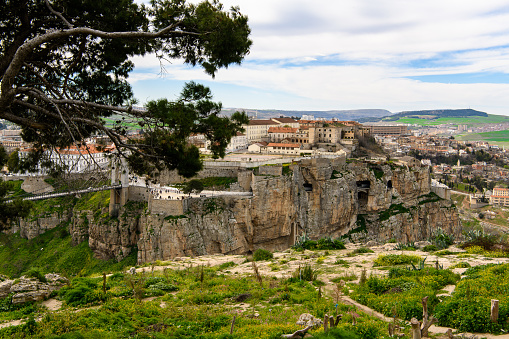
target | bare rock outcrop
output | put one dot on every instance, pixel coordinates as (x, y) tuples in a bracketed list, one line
[(27, 289)]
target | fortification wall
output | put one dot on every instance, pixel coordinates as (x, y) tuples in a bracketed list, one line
[(168, 207)]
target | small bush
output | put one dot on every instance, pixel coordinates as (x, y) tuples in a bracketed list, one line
[(405, 247), (261, 254), (335, 333), (306, 273), (480, 238), (445, 252), (227, 265), (396, 259), (461, 264), (430, 248), (362, 250), (304, 243), (81, 292), (441, 239), (36, 273)]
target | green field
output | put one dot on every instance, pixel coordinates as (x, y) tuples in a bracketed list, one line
[(472, 120), (496, 137)]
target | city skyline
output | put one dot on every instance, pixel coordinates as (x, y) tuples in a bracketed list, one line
[(394, 55)]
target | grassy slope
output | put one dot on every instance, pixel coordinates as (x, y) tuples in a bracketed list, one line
[(490, 119), (53, 252), (493, 137)]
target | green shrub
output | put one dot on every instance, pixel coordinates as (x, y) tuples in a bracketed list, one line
[(339, 333), (468, 309), (304, 243), (81, 292), (261, 254), (226, 265), (36, 273), (306, 273), (396, 259), (362, 250), (430, 248), (406, 247), (461, 264), (445, 252), (480, 238), (441, 239)]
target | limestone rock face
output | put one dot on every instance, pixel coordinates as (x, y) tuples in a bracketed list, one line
[(359, 201), (30, 289), (110, 238), (30, 229), (318, 198)]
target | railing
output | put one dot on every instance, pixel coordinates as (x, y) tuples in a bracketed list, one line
[(49, 195)]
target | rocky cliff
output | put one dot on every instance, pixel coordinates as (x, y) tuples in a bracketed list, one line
[(359, 201)]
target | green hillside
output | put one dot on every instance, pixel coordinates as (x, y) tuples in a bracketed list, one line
[(467, 120), (495, 137)]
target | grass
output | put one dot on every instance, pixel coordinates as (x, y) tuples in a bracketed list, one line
[(468, 309), (400, 293), (472, 120), (494, 137), (53, 252), (396, 259), (202, 305)]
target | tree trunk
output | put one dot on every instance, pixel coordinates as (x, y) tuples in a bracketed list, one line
[(494, 310), (416, 328)]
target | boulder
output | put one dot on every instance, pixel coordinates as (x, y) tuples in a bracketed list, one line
[(27, 289), (307, 319)]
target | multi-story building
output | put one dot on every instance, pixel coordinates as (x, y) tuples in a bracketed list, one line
[(85, 158), (387, 130), (500, 196), (258, 130)]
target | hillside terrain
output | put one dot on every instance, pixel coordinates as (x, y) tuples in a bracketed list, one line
[(437, 117), (201, 297)]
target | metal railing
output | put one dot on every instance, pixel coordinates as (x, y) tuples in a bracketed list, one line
[(49, 195)]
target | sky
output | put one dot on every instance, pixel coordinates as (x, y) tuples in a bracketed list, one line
[(398, 55)]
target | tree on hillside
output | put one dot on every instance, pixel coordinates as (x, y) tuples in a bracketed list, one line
[(3, 157), (13, 161), (64, 65)]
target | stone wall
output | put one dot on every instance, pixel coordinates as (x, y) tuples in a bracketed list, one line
[(270, 170), (172, 177), (168, 207), (137, 193), (442, 192)]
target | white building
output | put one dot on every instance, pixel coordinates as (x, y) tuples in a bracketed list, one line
[(238, 142), (86, 158)]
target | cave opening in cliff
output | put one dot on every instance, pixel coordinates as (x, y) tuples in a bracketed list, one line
[(389, 184), (308, 187), (362, 197)]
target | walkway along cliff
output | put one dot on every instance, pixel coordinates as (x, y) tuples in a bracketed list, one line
[(357, 200)]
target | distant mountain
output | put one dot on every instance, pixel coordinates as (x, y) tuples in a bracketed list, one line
[(428, 114), (346, 115)]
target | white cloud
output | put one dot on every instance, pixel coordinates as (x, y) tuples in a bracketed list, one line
[(360, 53)]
